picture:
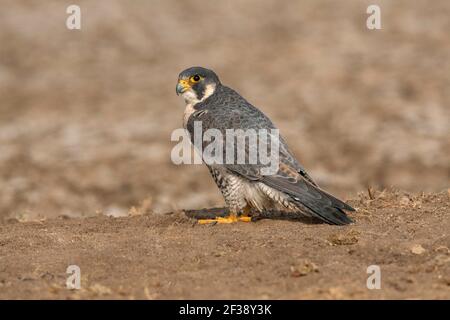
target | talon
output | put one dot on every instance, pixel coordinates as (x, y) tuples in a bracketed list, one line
[(206, 221), (226, 220), (245, 218), (229, 219)]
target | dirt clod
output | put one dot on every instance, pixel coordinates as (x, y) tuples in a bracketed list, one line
[(417, 249), (344, 238), (304, 268)]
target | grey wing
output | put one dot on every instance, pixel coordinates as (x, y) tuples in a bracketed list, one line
[(233, 119), (292, 161), (238, 114)]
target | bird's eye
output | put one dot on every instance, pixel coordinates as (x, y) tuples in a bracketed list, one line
[(195, 78)]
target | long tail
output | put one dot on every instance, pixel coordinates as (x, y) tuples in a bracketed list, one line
[(319, 203)]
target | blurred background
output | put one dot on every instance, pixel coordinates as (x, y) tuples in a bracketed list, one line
[(86, 116)]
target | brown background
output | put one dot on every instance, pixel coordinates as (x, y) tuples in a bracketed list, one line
[(86, 116)]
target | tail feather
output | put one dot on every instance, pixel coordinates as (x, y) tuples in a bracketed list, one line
[(329, 214), (320, 204)]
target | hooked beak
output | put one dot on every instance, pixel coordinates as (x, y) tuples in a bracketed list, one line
[(182, 86)]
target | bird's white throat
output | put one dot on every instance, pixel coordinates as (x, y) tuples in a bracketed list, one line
[(191, 100), (190, 97)]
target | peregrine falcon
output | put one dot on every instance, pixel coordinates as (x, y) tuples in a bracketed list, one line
[(244, 186)]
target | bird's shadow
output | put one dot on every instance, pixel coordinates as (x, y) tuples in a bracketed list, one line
[(211, 213)]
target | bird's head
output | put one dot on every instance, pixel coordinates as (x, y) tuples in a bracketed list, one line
[(196, 84)]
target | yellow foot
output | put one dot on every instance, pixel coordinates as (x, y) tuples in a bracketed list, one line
[(245, 218), (229, 219)]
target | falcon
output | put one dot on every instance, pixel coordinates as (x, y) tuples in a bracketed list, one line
[(245, 187)]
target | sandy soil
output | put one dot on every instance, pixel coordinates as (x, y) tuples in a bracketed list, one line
[(147, 256)]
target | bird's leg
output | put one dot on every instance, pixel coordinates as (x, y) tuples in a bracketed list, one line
[(245, 214), (231, 218)]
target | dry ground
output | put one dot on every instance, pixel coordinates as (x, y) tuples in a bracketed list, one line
[(164, 256)]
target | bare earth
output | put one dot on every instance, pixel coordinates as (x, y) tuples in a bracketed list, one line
[(148, 256)]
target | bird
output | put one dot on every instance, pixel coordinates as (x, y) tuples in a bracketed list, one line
[(245, 187)]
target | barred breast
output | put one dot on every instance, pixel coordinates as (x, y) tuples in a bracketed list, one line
[(239, 192)]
